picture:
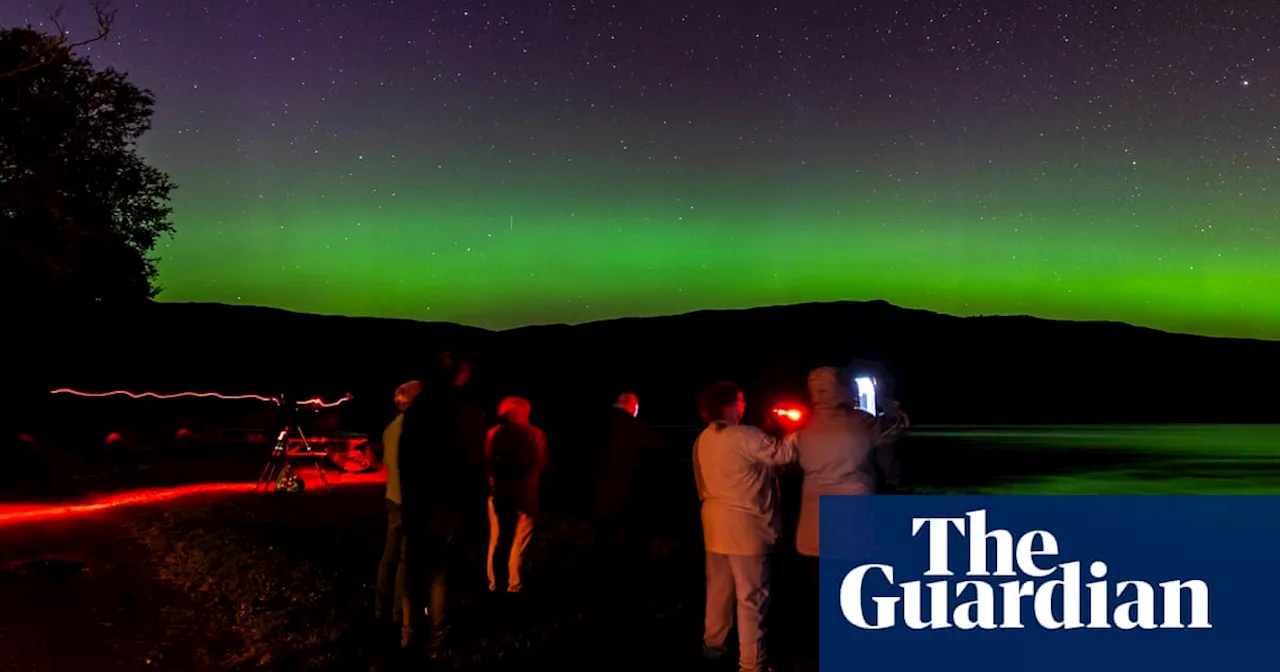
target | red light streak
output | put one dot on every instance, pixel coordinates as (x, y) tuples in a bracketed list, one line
[(21, 513), (315, 402), (12, 514)]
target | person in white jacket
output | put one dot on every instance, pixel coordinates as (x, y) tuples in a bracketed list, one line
[(842, 451), (734, 467)]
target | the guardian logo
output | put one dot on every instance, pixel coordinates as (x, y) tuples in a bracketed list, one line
[(991, 605)]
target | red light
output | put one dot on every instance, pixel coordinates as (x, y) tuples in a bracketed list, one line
[(791, 414), (17, 513), (315, 402), (156, 395)]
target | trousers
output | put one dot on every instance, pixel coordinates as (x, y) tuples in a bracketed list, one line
[(738, 585), (517, 525), (390, 585)]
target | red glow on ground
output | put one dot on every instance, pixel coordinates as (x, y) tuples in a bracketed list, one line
[(11, 514), (315, 402)]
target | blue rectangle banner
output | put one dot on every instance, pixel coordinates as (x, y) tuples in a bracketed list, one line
[(1047, 583)]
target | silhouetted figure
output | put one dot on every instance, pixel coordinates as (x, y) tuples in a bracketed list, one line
[(437, 431), (516, 453), (619, 523), (837, 452), (734, 466), (392, 599)]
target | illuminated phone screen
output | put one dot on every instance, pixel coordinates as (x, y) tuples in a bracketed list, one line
[(866, 388)]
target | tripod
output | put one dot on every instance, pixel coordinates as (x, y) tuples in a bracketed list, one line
[(278, 463)]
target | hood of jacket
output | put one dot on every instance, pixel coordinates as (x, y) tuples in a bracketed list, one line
[(828, 394)]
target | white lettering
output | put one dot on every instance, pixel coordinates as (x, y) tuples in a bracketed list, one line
[(851, 599), (912, 604), (1173, 604), (1098, 596), (978, 537), (984, 606), (1070, 584), (938, 565), (1027, 552), (1145, 605), (1056, 604), (1014, 591)]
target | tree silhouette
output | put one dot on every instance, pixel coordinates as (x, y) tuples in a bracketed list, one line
[(56, 46), (80, 211)]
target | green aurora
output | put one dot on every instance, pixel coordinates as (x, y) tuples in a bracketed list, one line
[(478, 251)]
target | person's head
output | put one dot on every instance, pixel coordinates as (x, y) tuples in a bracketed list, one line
[(405, 394), (830, 390), (722, 402), (454, 368), (515, 410), (629, 403)]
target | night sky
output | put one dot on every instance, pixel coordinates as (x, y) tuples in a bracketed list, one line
[(518, 162)]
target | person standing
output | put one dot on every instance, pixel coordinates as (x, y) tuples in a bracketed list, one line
[(434, 439), (734, 468), (630, 441), (516, 454), (391, 597), (843, 450)]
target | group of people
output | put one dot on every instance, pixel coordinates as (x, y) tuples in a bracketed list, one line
[(444, 467), (840, 451)]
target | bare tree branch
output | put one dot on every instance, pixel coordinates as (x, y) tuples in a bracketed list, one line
[(60, 43)]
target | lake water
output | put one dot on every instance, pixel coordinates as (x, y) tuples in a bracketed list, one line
[(1111, 459), (1084, 460)]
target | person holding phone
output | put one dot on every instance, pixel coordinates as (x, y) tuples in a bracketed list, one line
[(841, 451)]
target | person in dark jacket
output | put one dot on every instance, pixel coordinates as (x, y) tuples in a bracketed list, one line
[(517, 454), (616, 515), (436, 435)]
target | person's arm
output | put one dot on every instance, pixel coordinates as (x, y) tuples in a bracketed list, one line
[(698, 481), (488, 443), (886, 429), (769, 450), (540, 452)]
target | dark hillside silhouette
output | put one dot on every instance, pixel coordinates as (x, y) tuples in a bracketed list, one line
[(983, 370)]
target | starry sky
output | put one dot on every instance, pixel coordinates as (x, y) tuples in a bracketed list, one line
[(523, 161)]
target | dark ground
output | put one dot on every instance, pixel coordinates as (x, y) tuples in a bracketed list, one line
[(284, 582)]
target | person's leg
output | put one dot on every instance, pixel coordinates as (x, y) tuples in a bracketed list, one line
[(751, 579), (438, 608), (720, 605), (402, 611), (519, 542), (442, 561), (813, 591), (389, 568), (495, 529)]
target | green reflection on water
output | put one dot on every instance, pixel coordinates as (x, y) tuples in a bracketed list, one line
[(1097, 460)]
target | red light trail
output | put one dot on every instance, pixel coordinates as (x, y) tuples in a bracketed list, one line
[(12, 514), (315, 402), (20, 513)]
